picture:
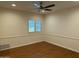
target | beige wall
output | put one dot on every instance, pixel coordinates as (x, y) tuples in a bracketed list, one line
[(14, 30), (62, 28)]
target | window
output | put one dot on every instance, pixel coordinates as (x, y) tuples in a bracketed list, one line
[(31, 25), (38, 25), (34, 25)]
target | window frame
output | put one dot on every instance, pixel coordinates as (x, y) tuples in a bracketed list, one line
[(34, 25)]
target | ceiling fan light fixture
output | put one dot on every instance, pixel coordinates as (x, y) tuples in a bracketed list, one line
[(43, 11), (13, 5)]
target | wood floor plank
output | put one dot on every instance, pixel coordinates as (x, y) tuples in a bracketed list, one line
[(39, 50)]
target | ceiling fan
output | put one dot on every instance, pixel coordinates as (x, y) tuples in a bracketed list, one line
[(39, 6)]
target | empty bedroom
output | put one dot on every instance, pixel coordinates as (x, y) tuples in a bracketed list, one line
[(39, 29)]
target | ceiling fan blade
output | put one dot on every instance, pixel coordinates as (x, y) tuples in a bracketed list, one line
[(49, 6), (41, 4), (48, 9)]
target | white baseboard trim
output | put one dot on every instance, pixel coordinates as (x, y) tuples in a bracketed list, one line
[(57, 40), (19, 41), (20, 45), (63, 46), (53, 40)]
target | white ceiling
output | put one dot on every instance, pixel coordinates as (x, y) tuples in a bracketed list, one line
[(28, 5)]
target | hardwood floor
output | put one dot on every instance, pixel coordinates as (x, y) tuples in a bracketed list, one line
[(39, 50)]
